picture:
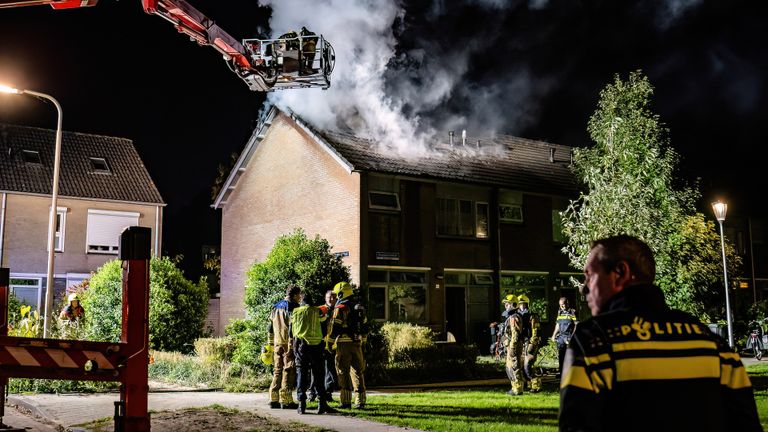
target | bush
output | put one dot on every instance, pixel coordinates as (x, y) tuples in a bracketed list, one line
[(193, 371), (177, 307), (405, 336), (295, 259)]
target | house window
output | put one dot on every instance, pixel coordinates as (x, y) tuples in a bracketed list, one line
[(455, 217), (399, 296), (26, 290), (99, 165), (510, 213), (481, 220), (383, 200), (31, 156), (61, 222), (532, 284), (104, 228)]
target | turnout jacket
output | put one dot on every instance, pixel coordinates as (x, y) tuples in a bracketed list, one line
[(641, 366), (279, 322)]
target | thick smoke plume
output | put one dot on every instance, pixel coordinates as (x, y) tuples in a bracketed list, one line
[(407, 72)]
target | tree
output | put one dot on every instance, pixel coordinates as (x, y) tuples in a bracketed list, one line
[(177, 306), (631, 189), (294, 259)]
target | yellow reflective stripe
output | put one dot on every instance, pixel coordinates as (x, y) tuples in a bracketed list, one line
[(597, 359), (602, 378), (659, 368), (730, 355), (663, 345), (734, 378), (577, 377)]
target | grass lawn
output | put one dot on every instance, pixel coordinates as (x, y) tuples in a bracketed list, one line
[(490, 409)]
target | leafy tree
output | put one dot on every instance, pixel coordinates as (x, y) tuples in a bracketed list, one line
[(294, 259), (177, 306), (631, 189)]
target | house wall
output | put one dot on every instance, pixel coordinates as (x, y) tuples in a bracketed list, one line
[(26, 231), (290, 182)]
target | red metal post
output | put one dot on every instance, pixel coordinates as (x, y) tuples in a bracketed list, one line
[(135, 253), (5, 280)]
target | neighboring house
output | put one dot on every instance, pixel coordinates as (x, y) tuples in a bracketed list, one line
[(436, 240), (103, 188)]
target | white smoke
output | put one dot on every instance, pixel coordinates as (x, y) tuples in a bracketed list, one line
[(361, 34)]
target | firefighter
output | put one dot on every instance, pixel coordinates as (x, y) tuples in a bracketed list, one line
[(348, 331), (638, 365), (330, 378), (565, 325), (73, 311), (523, 341), (307, 335), (283, 361), (308, 48), (497, 328)]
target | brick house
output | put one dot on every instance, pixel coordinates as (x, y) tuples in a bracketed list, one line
[(436, 239), (103, 187)]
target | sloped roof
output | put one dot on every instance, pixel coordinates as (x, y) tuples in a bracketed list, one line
[(505, 161), (128, 179)]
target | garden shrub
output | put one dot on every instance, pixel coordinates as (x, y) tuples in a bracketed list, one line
[(294, 259), (177, 306), (404, 336)]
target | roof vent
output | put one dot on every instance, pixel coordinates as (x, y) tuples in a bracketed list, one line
[(31, 157), (463, 137), (552, 155), (450, 138)]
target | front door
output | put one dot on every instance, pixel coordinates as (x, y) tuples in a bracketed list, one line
[(456, 312)]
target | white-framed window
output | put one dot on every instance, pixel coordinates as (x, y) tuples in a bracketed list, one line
[(398, 295), (104, 228), (383, 200), (511, 213), (27, 290), (61, 224)]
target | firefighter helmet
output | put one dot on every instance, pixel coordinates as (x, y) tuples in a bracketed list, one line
[(510, 298), (267, 354), (343, 290), (73, 297), (522, 298)]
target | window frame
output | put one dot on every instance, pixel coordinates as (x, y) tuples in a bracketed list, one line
[(13, 286), (456, 215), (373, 206), (386, 286), (113, 249), (61, 231), (504, 219), (487, 220), (99, 160)]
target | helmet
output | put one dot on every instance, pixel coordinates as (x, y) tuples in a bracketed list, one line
[(510, 298), (522, 298), (343, 290), (267, 353), (72, 297)]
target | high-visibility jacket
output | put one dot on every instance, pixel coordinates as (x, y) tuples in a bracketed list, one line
[(306, 324), (641, 366)]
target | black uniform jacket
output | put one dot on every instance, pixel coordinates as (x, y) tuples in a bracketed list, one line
[(640, 366)]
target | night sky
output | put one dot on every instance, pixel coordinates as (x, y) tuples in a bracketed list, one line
[(534, 67)]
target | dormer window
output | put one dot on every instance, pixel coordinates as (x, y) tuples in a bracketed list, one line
[(99, 165), (31, 156)]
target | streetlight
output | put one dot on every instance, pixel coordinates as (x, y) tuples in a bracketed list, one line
[(720, 209), (54, 199)]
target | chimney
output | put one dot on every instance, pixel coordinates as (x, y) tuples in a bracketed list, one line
[(450, 138), (552, 155), (463, 137)]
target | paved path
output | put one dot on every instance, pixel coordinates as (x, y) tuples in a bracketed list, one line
[(68, 410)]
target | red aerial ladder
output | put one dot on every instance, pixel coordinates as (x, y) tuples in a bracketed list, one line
[(294, 60)]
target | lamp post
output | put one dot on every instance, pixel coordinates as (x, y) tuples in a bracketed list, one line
[(720, 209), (54, 199)]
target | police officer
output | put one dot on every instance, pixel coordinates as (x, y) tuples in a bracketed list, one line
[(283, 360), (565, 325), (638, 365), (307, 345), (522, 344), (350, 363)]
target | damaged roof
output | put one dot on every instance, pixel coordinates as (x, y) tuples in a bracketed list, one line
[(92, 166), (505, 161)]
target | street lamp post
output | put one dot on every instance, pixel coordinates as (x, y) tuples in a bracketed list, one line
[(720, 209), (54, 200)]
